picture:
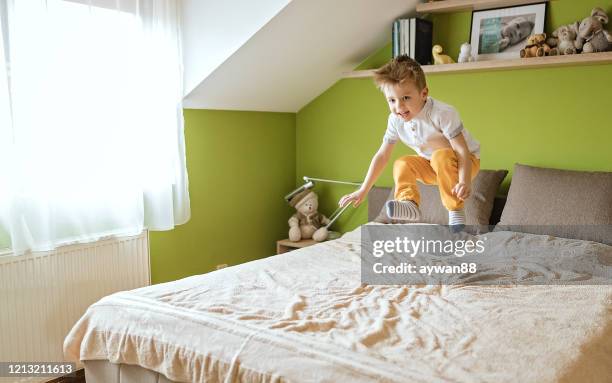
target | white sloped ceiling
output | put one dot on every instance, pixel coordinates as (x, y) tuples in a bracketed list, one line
[(273, 55)]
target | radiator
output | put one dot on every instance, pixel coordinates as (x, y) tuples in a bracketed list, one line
[(42, 295)]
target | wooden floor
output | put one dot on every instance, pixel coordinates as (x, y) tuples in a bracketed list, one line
[(79, 378)]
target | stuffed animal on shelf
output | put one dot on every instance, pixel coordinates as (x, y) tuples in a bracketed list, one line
[(307, 222), (536, 46), (465, 54), (565, 40), (440, 58), (591, 29)]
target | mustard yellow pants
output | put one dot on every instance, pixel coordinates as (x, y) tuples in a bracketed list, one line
[(442, 170)]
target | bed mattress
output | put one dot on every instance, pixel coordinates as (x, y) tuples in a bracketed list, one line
[(305, 316)]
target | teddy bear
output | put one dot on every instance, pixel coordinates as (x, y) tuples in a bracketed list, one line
[(591, 29), (307, 222), (536, 46), (565, 40)]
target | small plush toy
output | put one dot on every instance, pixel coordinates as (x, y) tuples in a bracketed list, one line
[(591, 29), (439, 58), (307, 222), (465, 55), (536, 46), (565, 40)]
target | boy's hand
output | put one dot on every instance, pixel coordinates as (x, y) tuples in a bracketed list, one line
[(356, 197), (462, 190)]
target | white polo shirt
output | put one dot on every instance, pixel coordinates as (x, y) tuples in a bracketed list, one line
[(429, 130)]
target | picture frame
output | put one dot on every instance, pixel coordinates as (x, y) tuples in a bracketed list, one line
[(501, 33)]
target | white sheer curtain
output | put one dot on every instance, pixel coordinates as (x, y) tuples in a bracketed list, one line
[(91, 127)]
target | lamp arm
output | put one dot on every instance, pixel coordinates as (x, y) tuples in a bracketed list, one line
[(307, 179), (336, 215), (310, 183)]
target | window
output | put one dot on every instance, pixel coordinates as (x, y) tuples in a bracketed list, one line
[(92, 139)]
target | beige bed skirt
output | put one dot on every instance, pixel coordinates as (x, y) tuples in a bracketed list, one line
[(103, 371)]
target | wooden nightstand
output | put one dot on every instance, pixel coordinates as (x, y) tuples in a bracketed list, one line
[(285, 245)]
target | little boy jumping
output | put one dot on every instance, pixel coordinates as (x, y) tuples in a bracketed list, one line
[(447, 155)]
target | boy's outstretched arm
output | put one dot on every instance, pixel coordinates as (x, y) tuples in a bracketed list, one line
[(378, 163), (463, 189)]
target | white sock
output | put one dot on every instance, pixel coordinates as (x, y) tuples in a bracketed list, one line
[(456, 217), (403, 210)]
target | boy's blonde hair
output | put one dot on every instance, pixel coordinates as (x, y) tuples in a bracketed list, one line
[(399, 69)]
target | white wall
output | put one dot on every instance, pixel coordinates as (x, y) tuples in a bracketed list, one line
[(214, 29), (296, 55)]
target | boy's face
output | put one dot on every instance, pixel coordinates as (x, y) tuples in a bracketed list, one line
[(405, 99)]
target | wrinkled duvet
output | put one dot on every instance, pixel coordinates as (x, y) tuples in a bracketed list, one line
[(304, 316)]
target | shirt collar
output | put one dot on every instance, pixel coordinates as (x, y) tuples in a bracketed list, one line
[(426, 108)]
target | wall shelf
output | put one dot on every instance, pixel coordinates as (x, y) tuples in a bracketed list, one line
[(469, 5), (492, 65)]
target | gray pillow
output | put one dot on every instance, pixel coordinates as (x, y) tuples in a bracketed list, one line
[(561, 203), (477, 208)]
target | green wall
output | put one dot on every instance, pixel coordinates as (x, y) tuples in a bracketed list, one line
[(240, 166), (553, 117)]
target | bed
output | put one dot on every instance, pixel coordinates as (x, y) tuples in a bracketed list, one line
[(305, 316)]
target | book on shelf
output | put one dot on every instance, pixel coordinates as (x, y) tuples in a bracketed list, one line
[(413, 37), (394, 40)]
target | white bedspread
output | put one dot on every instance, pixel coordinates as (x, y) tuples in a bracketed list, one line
[(304, 316)]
